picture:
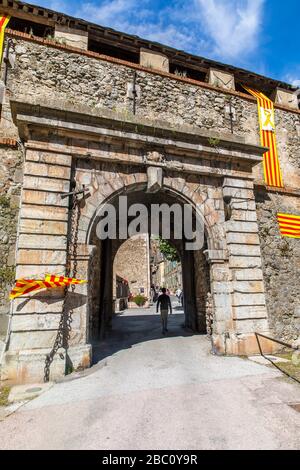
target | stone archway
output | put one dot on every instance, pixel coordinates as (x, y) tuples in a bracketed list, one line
[(195, 287), (109, 154)]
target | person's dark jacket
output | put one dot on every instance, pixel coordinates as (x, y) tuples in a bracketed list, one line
[(164, 302)]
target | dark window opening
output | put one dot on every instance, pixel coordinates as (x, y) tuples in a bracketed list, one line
[(35, 29), (258, 87), (186, 72), (240, 88), (113, 51)]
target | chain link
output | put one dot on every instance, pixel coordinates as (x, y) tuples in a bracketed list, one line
[(65, 323)]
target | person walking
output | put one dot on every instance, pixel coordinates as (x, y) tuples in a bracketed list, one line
[(164, 302), (178, 294)]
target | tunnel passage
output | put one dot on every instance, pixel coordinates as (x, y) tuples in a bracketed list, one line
[(195, 269)]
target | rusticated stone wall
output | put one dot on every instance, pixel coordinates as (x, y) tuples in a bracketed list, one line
[(281, 265), (10, 188), (72, 78), (132, 263), (44, 72)]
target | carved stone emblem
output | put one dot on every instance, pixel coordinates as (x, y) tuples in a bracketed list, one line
[(154, 156)]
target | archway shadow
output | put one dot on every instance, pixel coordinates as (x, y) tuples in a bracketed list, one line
[(133, 327)]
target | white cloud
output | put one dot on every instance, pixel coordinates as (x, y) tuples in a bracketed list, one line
[(233, 26), (107, 12), (139, 17), (225, 30), (293, 79)]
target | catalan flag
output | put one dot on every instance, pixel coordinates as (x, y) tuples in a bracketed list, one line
[(4, 19), (61, 280), (289, 225), (27, 286), (272, 171)]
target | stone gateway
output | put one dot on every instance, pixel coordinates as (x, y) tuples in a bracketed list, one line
[(104, 114)]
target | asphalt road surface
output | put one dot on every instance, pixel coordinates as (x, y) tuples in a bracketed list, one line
[(149, 391)]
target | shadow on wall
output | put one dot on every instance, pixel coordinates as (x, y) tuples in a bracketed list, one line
[(75, 300)]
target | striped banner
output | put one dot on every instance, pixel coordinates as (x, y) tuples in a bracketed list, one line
[(4, 19), (61, 280), (272, 172), (289, 225), (26, 286)]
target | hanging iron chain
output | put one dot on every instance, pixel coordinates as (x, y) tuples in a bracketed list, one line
[(65, 323)]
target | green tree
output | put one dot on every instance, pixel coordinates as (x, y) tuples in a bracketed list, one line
[(169, 252)]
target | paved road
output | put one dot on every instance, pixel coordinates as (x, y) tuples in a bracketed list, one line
[(153, 392)]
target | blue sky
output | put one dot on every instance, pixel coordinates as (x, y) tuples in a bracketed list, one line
[(259, 35)]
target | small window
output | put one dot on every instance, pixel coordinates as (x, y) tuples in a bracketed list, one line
[(186, 72), (30, 27), (113, 51)]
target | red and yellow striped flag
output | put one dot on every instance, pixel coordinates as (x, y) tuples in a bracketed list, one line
[(272, 171), (26, 286), (4, 19), (289, 225), (61, 280)]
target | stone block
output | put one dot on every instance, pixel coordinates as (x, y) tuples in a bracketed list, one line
[(42, 241), (43, 198), (216, 255), (154, 60), (31, 211), (248, 286), (28, 366), (42, 322), (253, 311), (238, 183), (285, 98), (243, 215), (2, 92), (46, 169), (71, 37), (29, 271), (14, 202), (245, 344), (31, 340), (248, 275), (44, 305), (221, 79), (51, 157), (222, 303), (243, 205), (46, 184), (238, 193), (219, 327), (297, 311), (245, 262), (41, 257), (244, 250), (244, 227), (18, 175), (43, 227), (243, 238), (248, 299), (155, 179), (47, 321), (220, 275), (250, 326), (221, 287), (3, 327)]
